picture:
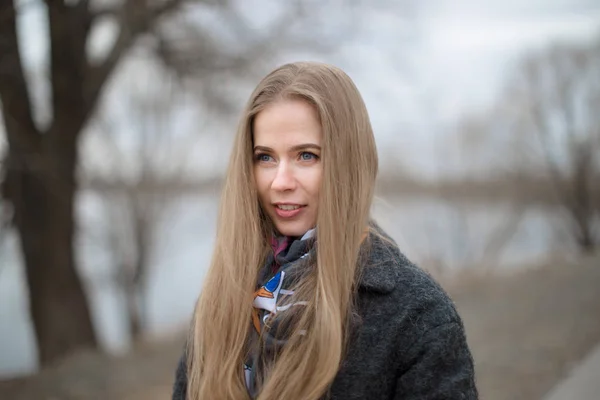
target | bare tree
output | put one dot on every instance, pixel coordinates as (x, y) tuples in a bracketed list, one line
[(555, 96), (5, 218), (133, 217), (147, 180), (42, 159)]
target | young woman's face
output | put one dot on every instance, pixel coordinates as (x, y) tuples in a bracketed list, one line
[(287, 164)]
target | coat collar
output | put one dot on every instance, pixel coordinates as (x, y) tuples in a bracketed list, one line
[(382, 262)]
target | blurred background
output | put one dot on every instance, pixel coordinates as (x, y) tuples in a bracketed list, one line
[(116, 127)]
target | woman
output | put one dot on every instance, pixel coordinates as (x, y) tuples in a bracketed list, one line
[(306, 297)]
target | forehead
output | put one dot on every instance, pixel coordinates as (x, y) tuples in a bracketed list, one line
[(287, 122)]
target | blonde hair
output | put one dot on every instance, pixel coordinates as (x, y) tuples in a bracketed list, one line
[(308, 363)]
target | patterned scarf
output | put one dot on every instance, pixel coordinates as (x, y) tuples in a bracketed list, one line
[(281, 270)]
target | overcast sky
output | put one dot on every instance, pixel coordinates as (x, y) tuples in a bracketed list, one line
[(455, 64), (448, 60)]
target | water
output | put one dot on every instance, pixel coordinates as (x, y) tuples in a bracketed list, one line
[(475, 235), (432, 232)]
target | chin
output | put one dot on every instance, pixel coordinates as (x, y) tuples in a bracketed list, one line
[(293, 228)]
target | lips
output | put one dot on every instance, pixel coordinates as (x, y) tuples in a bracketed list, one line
[(287, 210)]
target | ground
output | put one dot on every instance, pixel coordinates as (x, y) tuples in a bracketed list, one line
[(525, 330)]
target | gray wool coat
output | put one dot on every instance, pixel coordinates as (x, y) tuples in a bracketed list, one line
[(408, 343)]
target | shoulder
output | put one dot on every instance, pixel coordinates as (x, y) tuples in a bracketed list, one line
[(400, 289), (407, 335), (180, 384)]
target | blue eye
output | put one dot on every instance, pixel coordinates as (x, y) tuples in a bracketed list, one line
[(307, 156), (262, 157)]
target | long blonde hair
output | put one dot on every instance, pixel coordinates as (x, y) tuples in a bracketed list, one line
[(309, 362)]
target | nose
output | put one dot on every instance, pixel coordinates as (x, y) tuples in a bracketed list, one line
[(284, 178)]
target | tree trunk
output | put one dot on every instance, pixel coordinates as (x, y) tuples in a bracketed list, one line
[(582, 206), (134, 314), (584, 235), (142, 231), (41, 188)]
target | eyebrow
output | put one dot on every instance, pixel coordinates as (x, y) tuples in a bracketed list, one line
[(298, 147)]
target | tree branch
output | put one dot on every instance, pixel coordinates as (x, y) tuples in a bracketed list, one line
[(69, 29), (21, 132), (133, 20), (153, 12), (538, 108)]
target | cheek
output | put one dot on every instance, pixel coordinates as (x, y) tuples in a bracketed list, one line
[(261, 182), (313, 182)]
